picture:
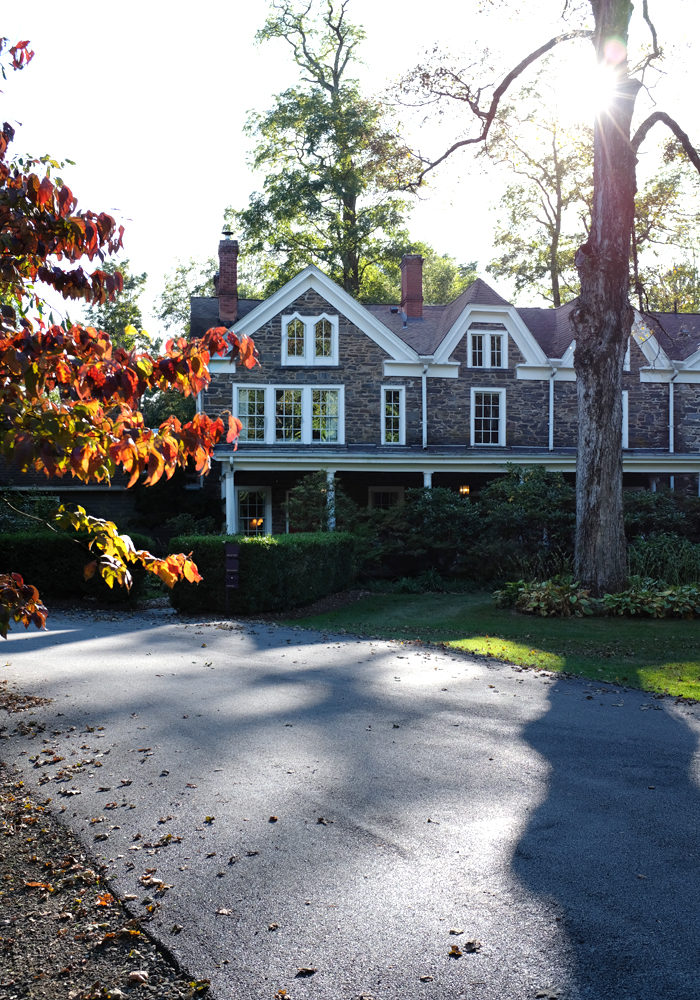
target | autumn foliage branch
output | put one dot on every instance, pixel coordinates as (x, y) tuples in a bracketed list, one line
[(69, 399)]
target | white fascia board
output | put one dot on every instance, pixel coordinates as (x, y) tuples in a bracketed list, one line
[(222, 365), (682, 375), (410, 368), (567, 358), (690, 363), (341, 461), (508, 316), (313, 279), (533, 373), (644, 337)]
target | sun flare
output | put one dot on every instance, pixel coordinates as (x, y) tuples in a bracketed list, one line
[(582, 94)]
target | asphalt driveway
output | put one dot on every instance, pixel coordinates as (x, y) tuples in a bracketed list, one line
[(297, 801)]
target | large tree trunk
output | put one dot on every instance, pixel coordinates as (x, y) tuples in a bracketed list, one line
[(603, 322)]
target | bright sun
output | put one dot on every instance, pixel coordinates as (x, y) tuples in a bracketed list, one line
[(583, 92)]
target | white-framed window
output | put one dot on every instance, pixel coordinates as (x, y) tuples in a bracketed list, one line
[(325, 415), (488, 417), (487, 349), (384, 497), (309, 340), (281, 414), (393, 414), (288, 414), (253, 510), (251, 413), (625, 418)]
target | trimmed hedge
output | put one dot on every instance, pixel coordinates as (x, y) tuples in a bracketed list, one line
[(276, 572), (54, 563)]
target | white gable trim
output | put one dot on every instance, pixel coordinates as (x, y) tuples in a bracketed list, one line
[(650, 347), (508, 316), (313, 279)]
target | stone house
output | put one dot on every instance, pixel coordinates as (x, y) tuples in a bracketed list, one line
[(384, 397)]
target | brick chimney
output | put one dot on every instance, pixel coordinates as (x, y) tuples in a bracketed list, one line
[(412, 285), (227, 285)]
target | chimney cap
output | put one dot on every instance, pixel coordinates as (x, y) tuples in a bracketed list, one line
[(227, 233)]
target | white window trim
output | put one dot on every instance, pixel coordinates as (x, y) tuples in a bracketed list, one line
[(625, 418), (306, 414), (267, 526), (487, 334), (237, 409), (401, 389), (501, 417), (308, 357)]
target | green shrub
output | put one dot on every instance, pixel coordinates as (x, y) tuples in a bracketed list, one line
[(646, 512), (662, 556), (560, 597), (654, 599), (275, 573), (54, 562), (430, 531), (526, 526), (307, 505)]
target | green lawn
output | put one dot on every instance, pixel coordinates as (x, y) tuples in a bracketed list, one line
[(648, 654)]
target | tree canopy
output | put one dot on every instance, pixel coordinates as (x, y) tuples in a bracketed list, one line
[(68, 397), (333, 164)]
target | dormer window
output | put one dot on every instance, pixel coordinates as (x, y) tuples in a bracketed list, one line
[(487, 350), (309, 340)]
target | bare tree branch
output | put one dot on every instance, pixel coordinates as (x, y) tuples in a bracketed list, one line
[(661, 116), (487, 115)]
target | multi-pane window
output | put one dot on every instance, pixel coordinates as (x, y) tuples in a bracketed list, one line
[(487, 350), (277, 414), (393, 431), (324, 414), (295, 339), (488, 417), (309, 340), (323, 339), (251, 511), (477, 360), (288, 414), (251, 413)]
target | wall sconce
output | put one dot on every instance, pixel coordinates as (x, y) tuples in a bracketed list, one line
[(464, 490)]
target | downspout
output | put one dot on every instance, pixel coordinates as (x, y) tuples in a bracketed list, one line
[(230, 494), (551, 408), (671, 416)]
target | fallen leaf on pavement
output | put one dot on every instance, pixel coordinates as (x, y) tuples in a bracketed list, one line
[(306, 970)]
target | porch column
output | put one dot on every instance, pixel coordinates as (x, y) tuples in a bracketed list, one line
[(427, 480), (330, 498), (230, 497)]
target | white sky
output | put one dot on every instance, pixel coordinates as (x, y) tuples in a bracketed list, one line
[(149, 98)]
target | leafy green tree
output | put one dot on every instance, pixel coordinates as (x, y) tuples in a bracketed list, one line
[(443, 278), (672, 289), (546, 214), (189, 278), (333, 164), (121, 318)]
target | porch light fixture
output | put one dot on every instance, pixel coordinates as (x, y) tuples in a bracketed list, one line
[(464, 490)]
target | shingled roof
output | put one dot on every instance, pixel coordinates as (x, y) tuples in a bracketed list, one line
[(678, 333)]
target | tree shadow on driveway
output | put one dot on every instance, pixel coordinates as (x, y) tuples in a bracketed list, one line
[(615, 845)]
